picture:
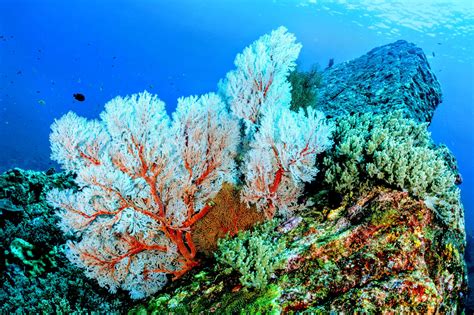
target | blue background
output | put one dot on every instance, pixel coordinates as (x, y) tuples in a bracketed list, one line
[(52, 49)]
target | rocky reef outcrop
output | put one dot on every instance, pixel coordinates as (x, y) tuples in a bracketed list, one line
[(378, 243), (381, 241), (393, 77), (36, 276)]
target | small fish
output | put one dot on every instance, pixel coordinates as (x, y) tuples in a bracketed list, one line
[(79, 97), (433, 54), (42, 102), (331, 62)]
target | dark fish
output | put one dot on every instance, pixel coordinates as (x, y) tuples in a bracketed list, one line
[(433, 54), (331, 62), (79, 97)]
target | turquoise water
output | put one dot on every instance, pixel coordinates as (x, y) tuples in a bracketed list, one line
[(50, 50)]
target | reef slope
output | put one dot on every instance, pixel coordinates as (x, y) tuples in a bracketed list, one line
[(396, 76)]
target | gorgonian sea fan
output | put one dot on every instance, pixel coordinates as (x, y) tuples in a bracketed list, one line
[(143, 181), (145, 178)]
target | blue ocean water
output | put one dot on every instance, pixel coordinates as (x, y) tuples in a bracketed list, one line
[(51, 49)]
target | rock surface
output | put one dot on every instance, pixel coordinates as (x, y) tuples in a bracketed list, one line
[(381, 252), (390, 77)]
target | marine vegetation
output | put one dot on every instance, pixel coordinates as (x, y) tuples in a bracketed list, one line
[(145, 179), (304, 85), (37, 277), (254, 254), (250, 199)]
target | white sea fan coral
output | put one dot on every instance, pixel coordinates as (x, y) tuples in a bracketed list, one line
[(260, 78), (283, 157), (144, 180)]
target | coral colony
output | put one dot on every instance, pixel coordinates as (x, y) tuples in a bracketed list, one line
[(145, 178)]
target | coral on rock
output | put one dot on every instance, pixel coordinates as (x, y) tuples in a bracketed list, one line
[(355, 211), (385, 233), (145, 179)]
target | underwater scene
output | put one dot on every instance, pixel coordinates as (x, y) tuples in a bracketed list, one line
[(236, 157)]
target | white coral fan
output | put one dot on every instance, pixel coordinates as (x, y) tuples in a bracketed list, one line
[(283, 144), (144, 179), (260, 78), (283, 157)]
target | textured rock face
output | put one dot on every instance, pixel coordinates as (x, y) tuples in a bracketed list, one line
[(36, 276), (390, 77), (381, 252)]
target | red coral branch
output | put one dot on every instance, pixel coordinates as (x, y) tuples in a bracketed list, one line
[(89, 158), (135, 247)]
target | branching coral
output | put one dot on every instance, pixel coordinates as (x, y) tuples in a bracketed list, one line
[(146, 179), (390, 149), (144, 182), (256, 254)]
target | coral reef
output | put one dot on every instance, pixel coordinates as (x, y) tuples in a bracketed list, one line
[(386, 229), (368, 220), (145, 179)]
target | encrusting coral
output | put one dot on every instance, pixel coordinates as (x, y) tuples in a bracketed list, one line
[(145, 179)]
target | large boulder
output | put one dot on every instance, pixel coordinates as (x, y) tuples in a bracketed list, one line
[(387, 78)]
